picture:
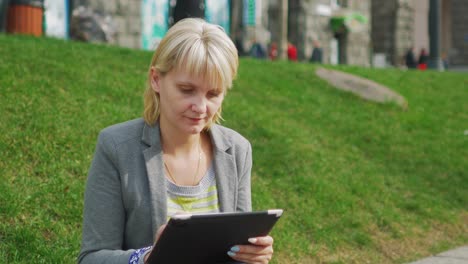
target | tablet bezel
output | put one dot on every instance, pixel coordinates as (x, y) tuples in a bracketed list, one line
[(206, 238)]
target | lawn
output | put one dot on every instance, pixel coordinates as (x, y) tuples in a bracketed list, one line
[(360, 182)]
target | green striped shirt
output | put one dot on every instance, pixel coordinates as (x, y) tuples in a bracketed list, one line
[(202, 198)]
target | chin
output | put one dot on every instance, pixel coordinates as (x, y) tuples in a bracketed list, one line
[(195, 129)]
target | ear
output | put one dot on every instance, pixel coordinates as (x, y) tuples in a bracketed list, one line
[(155, 79)]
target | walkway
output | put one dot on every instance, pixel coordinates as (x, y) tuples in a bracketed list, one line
[(365, 88), (455, 256)]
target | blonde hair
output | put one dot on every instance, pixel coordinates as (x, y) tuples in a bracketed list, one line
[(198, 48)]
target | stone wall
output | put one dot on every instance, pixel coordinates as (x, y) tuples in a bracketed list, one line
[(404, 31), (459, 52), (315, 27), (421, 25), (391, 27), (358, 49), (400, 24), (307, 24), (126, 16), (383, 27)]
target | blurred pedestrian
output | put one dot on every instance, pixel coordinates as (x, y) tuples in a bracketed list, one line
[(410, 59), (292, 52), (273, 53), (422, 61), (317, 53), (257, 50), (445, 61)]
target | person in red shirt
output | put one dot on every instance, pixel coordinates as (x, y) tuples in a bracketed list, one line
[(292, 52), (423, 57)]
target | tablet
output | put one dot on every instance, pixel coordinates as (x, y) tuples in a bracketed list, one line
[(206, 238)]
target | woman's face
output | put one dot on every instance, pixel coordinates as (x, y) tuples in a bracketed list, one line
[(187, 103)]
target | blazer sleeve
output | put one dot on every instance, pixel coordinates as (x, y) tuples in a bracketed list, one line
[(104, 213), (244, 199)]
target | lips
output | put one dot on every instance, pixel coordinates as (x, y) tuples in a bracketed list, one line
[(195, 119)]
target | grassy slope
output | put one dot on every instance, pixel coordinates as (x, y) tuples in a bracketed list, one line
[(359, 181)]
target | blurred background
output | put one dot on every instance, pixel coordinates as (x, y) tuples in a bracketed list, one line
[(378, 33)]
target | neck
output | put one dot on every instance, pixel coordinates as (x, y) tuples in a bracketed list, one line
[(174, 143)]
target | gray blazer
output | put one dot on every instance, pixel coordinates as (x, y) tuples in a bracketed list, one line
[(125, 197)]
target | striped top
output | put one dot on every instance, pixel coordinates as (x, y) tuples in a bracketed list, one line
[(202, 198)]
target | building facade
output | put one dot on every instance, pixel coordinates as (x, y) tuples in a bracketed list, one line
[(126, 17), (349, 31), (143, 23), (311, 21), (308, 21), (455, 32), (398, 25)]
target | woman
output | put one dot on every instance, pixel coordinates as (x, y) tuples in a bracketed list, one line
[(174, 159)]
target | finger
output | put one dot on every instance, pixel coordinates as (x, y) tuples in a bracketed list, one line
[(250, 258), (159, 232), (262, 241), (252, 249)]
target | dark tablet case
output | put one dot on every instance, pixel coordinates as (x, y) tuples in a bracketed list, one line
[(206, 239)]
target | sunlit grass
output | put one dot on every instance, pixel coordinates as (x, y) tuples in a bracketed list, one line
[(356, 179)]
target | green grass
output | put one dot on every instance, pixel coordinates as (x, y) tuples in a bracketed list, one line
[(359, 181)]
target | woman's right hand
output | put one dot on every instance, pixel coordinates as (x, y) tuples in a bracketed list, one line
[(156, 238), (159, 232)]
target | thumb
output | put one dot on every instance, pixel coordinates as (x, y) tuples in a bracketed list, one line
[(159, 232), (261, 241)]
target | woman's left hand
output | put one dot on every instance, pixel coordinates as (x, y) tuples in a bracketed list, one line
[(260, 251)]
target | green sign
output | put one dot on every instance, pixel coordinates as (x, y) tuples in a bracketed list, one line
[(249, 12)]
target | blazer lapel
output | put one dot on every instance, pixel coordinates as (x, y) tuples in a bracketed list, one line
[(225, 171), (224, 165), (157, 184)]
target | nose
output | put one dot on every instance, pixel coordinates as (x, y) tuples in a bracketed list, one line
[(199, 105)]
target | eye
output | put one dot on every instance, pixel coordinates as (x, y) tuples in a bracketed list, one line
[(212, 94), (185, 89)]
